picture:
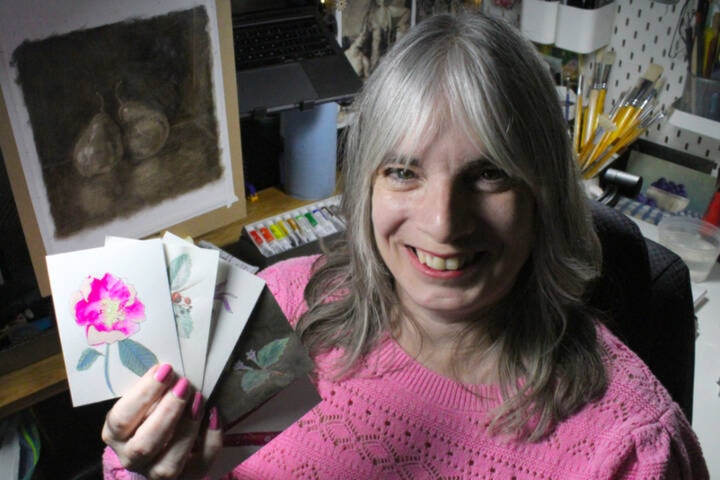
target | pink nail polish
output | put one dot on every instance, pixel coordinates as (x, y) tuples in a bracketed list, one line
[(181, 388), (162, 373), (214, 422), (197, 406)]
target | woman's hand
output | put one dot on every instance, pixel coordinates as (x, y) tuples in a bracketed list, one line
[(154, 428)]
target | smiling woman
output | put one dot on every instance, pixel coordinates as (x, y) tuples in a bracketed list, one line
[(449, 325), (453, 231)]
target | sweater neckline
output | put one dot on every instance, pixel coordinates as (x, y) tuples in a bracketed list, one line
[(393, 363)]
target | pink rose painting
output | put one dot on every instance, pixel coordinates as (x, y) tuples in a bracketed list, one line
[(111, 312)]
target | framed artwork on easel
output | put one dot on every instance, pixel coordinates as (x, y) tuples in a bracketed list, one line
[(118, 118)]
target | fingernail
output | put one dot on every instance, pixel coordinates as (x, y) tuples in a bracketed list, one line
[(162, 373), (197, 406), (181, 388), (214, 422)]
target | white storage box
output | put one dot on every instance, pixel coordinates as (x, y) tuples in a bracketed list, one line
[(538, 20), (584, 30)]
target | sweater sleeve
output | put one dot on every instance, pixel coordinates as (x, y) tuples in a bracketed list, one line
[(667, 449), (113, 470)]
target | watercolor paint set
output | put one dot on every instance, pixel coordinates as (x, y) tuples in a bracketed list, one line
[(293, 232)]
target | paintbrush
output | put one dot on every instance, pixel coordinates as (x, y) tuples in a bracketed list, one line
[(649, 98), (577, 127), (605, 125), (596, 96), (636, 99), (638, 94), (623, 142), (607, 62)]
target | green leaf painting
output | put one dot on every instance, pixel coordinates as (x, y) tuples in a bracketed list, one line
[(272, 352), (254, 378), (183, 320), (264, 358), (136, 357), (179, 271), (87, 358)]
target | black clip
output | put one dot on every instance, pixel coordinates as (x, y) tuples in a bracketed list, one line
[(259, 113), (307, 105)]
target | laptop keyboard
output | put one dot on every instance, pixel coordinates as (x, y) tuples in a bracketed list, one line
[(281, 42)]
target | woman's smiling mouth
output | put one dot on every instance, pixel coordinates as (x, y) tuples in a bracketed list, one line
[(455, 262)]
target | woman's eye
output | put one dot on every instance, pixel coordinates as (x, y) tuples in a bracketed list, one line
[(493, 174), (490, 178), (399, 173)]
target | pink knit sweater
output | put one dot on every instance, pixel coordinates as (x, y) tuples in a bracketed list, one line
[(395, 419)]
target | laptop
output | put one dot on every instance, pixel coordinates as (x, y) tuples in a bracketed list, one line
[(286, 57)]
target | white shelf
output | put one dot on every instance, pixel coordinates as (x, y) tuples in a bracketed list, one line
[(688, 121)]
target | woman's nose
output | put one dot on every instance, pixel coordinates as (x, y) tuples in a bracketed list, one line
[(442, 214)]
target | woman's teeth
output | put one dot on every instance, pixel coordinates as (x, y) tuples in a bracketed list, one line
[(438, 263)]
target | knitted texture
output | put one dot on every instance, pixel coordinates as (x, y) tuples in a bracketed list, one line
[(395, 419)]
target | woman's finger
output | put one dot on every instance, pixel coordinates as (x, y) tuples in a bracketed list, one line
[(206, 450), (172, 461), (131, 409), (158, 429)]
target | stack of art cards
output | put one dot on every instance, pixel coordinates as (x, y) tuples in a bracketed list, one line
[(131, 304)]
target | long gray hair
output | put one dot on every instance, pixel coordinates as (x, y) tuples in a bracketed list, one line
[(475, 73)]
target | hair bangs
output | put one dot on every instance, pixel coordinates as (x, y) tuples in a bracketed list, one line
[(482, 117)]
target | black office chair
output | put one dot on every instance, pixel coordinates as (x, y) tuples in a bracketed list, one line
[(645, 293)]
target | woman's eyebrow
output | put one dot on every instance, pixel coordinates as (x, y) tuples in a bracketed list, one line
[(407, 160), (479, 162)]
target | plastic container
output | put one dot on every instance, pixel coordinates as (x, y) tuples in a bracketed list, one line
[(667, 201), (583, 30), (308, 164), (538, 20), (701, 97), (695, 241)]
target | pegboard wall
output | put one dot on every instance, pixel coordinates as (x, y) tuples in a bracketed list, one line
[(643, 32), (646, 32)]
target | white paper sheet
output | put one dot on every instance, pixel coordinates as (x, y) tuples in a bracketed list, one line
[(236, 294), (192, 274), (114, 316)]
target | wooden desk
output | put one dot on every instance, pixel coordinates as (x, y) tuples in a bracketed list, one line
[(272, 201), (36, 382), (45, 378)]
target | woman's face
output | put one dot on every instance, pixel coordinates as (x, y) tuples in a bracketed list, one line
[(453, 229)]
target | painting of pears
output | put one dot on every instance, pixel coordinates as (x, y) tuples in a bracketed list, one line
[(99, 147), (123, 116), (145, 129)]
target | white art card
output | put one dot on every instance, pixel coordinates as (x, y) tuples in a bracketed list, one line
[(236, 294), (114, 316), (192, 272)]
